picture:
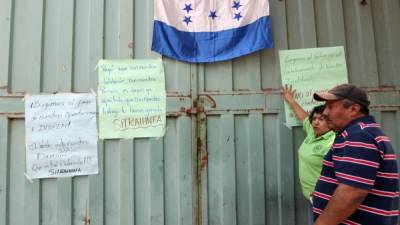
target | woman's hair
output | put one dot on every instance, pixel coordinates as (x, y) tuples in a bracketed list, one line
[(317, 109)]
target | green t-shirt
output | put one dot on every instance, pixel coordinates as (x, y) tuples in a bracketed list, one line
[(311, 154)]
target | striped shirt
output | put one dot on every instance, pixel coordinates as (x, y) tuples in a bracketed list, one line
[(363, 157)]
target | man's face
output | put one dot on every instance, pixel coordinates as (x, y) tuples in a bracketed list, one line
[(337, 115)]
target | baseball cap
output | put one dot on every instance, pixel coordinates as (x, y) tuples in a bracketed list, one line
[(344, 91)]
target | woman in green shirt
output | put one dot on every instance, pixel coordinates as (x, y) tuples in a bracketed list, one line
[(316, 144)]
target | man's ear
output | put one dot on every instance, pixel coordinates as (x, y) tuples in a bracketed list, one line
[(355, 109)]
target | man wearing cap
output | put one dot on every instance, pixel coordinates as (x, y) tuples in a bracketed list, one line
[(359, 178)]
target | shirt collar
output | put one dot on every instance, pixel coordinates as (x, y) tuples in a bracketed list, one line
[(366, 118), (327, 135)]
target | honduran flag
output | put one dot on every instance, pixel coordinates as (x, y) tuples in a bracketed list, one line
[(210, 30)]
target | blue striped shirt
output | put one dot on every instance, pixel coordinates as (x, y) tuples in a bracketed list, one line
[(363, 157)]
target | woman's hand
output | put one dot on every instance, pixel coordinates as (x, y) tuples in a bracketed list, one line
[(288, 93), (288, 96)]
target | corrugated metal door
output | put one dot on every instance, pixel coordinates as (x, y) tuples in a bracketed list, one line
[(251, 177), (53, 46), (226, 157)]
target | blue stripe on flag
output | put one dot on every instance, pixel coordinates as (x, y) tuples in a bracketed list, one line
[(197, 47)]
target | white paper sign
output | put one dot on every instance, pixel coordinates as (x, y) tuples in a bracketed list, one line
[(311, 70), (61, 135), (132, 98)]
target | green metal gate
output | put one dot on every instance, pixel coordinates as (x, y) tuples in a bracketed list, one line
[(226, 157)]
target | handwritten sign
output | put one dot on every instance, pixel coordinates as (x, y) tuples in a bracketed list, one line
[(61, 135), (309, 71), (132, 99)]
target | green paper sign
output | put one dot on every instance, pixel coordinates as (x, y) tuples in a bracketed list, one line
[(132, 99), (309, 71)]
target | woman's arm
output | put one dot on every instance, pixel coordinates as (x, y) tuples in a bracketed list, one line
[(288, 96)]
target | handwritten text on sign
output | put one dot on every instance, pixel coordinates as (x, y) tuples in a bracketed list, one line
[(309, 71), (61, 135), (132, 99)]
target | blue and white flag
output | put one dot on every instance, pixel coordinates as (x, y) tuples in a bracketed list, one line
[(210, 30)]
